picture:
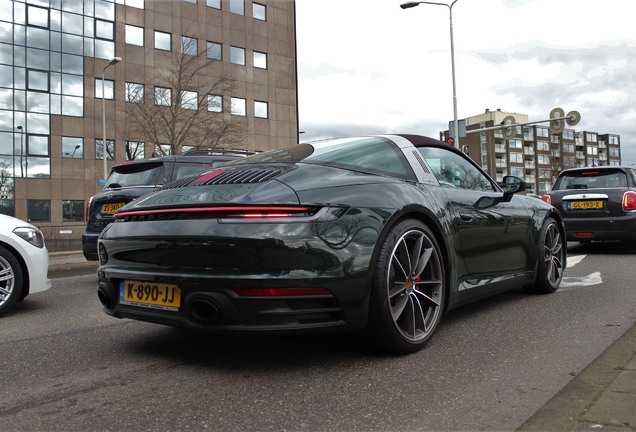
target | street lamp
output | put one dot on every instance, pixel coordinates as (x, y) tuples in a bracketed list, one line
[(112, 61), (408, 5), (21, 151)]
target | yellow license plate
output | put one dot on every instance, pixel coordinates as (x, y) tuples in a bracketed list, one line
[(584, 205), (150, 295), (111, 208)]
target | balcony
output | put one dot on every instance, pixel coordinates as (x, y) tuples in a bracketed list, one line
[(500, 163), (529, 164), (602, 144), (530, 179), (528, 150), (498, 134), (500, 148), (602, 157), (499, 178), (580, 155)]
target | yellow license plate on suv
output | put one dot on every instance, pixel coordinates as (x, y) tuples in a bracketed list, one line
[(111, 208), (585, 205), (150, 295)]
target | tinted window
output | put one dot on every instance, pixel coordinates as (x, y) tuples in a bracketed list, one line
[(591, 179), (376, 155), (135, 175), (182, 170)]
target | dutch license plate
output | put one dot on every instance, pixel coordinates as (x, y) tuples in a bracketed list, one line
[(150, 295), (585, 205), (111, 208)]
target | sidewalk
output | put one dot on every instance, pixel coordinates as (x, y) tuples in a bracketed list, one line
[(601, 397), (68, 260)]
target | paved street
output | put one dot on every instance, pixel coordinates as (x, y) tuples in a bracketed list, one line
[(491, 366)]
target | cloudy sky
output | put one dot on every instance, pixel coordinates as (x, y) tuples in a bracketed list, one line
[(368, 66)]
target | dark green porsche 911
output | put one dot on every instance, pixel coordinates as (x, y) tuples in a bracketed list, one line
[(379, 234)]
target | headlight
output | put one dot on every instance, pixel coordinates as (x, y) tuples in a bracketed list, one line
[(30, 235)]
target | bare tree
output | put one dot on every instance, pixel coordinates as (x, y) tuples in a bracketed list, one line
[(183, 107)]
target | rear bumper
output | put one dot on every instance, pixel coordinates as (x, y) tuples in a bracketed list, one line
[(622, 228)]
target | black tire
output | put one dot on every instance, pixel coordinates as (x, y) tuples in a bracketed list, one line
[(551, 259), (408, 290), (10, 281)]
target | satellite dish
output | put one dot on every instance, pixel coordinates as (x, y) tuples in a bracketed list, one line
[(509, 130), (557, 126), (573, 118)]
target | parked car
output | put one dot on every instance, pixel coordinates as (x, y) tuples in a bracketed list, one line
[(130, 180), (381, 233), (596, 203), (24, 262)]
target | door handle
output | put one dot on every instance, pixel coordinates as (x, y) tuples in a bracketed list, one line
[(466, 217)]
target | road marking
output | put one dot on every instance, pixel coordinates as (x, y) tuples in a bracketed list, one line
[(576, 282), (574, 260)]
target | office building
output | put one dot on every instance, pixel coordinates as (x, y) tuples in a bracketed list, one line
[(53, 54)]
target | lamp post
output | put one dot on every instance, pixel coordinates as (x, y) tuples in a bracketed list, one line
[(21, 151), (408, 5), (112, 61)]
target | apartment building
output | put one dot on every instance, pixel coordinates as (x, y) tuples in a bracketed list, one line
[(535, 154), (54, 53)]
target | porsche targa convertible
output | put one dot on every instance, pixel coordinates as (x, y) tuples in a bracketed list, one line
[(379, 234)]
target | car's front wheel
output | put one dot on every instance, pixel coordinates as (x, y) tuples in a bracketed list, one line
[(407, 295), (10, 281), (551, 259)]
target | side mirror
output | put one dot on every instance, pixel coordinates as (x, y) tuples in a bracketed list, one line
[(512, 185)]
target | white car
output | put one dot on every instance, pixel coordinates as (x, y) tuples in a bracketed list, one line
[(24, 262)]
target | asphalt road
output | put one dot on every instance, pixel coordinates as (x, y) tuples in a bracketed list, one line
[(65, 365)]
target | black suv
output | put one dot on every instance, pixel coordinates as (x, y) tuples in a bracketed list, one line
[(597, 203), (130, 180)]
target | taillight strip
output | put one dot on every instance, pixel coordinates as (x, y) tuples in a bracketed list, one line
[(225, 209)]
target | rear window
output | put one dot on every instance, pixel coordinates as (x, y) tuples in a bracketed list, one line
[(137, 174), (376, 155), (591, 180)]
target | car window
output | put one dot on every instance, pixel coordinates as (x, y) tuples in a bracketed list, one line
[(182, 170), (375, 155), (136, 174), (591, 180), (453, 171)]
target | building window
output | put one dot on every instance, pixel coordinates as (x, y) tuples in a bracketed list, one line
[(614, 152), (189, 46), (592, 150), (260, 109), (134, 35), (163, 96), (543, 159), (163, 41), (568, 148), (237, 7), (258, 11), (516, 157), (543, 132), (135, 150), (109, 89), (515, 144), (613, 139), (189, 100), (590, 137), (135, 93), (215, 103), (237, 55), (216, 4), (163, 149), (72, 148), (37, 81), (214, 51), (260, 60), (38, 210), (37, 16), (543, 145), (238, 107), (110, 148), (191, 1), (568, 135), (73, 211), (104, 30)]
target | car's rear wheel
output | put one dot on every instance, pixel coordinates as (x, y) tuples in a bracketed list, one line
[(551, 260), (10, 281), (407, 295)]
